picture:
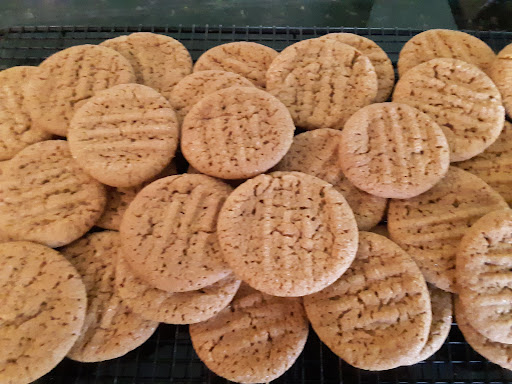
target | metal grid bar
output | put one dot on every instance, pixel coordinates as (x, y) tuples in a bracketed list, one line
[(168, 356)]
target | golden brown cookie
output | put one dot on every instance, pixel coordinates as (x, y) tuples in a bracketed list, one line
[(110, 329), (377, 316), (393, 150), (16, 128), (379, 59), (317, 153), (460, 98), (250, 60), (287, 233), (46, 197), (169, 235), (322, 82), (255, 340), (124, 135), (430, 226), (444, 43), (159, 61), (236, 133), (501, 74), (42, 309), (67, 79)]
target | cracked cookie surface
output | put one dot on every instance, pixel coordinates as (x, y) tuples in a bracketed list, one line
[(501, 74)]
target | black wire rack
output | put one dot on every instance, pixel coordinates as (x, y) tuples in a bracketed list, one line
[(168, 356)]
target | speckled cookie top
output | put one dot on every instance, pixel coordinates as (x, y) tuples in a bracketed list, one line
[(501, 74)]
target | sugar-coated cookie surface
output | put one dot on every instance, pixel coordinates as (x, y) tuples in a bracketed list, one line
[(501, 74)]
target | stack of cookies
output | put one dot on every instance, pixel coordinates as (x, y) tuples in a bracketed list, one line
[(266, 232)]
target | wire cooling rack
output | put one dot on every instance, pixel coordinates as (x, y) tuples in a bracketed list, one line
[(168, 356)]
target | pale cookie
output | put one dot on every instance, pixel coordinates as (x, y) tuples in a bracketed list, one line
[(124, 135), (110, 329), (169, 234), (497, 353), (255, 340), (173, 308), (483, 265), (287, 233), (377, 316), (392, 150), (501, 74), (460, 98), (194, 87), (430, 226), (444, 43), (236, 133), (316, 153), (250, 60), (379, 59), (16, 129), (67, 79), (322, 82), (494, 165), (42, 309), (46, 197)]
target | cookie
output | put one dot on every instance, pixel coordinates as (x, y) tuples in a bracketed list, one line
[(169, 234), (494, 165), (124, 135), (254, 340), (501, 74), (379, 59), (16, 129), (194, 87), (236, 133), (429, 227), (67, 79), (377, 316), (444, 43), (110, 329), (460, 98), (483, 266), (497, 353), (159, 61), (287, 233), (46, 197), (42, 311), (392, 150), (316, 153), (381, 229), (250, 60), (173, 308)]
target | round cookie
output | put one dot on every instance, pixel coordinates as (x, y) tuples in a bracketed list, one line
[(173, 308), (42, 311), (169, 234), (379, 59), (254, 340), (322, 82), (501, 74), (16, 129), (460, 98), (429, 227), (46, 197), (497, 353), (194, 87), (316, 153), (287, 233), (110, 329), (494, 165), (159, 61), (483, 267), (236, 133), (67, 79), (124, 135), (250, 60), (444, 43), (392, 150), (377, 316)]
